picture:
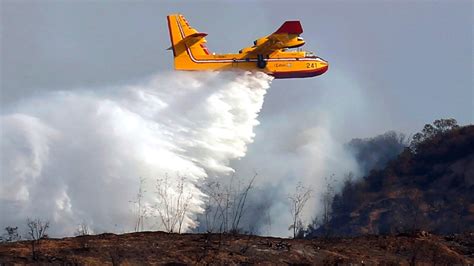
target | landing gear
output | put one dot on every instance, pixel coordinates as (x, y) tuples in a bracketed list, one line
[(261, 63)]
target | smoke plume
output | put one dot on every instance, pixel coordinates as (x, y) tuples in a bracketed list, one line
[(76, 156), (304, 143)]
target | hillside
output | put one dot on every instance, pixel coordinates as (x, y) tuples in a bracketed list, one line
[(430, 189), (163, 248)]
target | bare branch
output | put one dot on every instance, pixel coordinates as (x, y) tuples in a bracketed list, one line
[(298, 201), (37, 228), (173, 203)]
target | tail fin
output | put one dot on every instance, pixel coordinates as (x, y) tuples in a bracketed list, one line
[(186, 42)]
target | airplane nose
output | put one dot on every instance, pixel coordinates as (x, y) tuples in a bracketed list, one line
[(324, 66), (323, 69)]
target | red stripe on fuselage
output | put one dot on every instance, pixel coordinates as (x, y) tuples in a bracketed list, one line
[(300, 74), (205, 48)]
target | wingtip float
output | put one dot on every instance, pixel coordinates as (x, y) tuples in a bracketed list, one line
[(269, 54)]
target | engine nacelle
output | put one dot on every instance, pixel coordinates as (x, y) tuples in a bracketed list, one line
[(295, 42), (260, 41)]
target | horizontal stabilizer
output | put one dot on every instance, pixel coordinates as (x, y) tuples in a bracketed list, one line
[(197, 34), (290, 27), (191, 39)]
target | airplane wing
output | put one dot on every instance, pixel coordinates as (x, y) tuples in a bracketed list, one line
[(287, 36)]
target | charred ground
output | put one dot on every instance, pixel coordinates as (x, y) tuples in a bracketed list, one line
[(164, 248)]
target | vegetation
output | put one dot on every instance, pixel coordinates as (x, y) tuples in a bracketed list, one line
[(173, 203), (37, 228), (11, 234), (374, 153), (298, 201), (226, 204), (36, 231), (427, 187), (430, 131), (140, 211), (83, 229)]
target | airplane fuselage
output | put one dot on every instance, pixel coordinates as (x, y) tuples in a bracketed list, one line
[(279, 64), (269, 54)]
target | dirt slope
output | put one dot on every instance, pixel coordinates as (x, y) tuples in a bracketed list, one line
[(162, 248)]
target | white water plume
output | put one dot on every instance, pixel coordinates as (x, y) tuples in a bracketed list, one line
[(76, 156)]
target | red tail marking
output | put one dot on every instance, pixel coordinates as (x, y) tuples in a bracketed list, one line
[(290, 27)]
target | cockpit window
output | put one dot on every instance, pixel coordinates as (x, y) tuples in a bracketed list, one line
[(310, 55)]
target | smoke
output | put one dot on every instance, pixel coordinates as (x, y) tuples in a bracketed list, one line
[(305, 143), (310, 156), (76, 156), (374, 153)]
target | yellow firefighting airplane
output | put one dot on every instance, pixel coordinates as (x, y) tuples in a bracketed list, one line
[(269, 54)]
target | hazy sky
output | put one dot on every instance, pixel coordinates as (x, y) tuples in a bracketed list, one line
[(410, 60)]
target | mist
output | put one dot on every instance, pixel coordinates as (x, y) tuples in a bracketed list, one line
[(304, 143), (76, 156)]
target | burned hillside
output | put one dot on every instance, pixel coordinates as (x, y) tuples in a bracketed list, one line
[(429, 186)]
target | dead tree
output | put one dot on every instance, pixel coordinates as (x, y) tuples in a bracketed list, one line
[(140, 210), (173, 203), (214, 208), (239, 208), (36, 231), (82, 229), (297, 202), (37, 228), (327, 199), (226, 204)]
